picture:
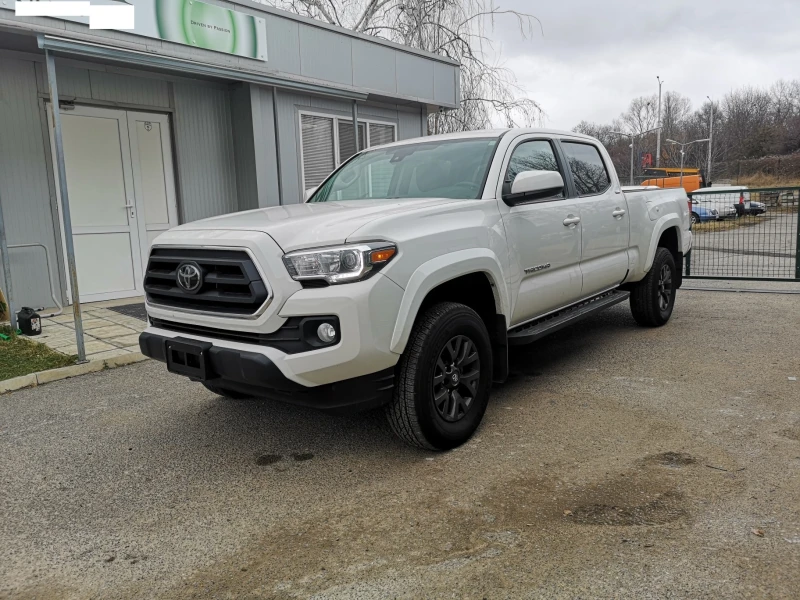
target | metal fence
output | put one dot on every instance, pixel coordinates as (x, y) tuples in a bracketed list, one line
[(745, 234)]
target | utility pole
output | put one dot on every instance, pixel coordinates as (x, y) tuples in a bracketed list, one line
[(683, 150), (710, 138), (658, 135), (632, 137)]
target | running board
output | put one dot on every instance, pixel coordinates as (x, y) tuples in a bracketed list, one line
[(530, 332)]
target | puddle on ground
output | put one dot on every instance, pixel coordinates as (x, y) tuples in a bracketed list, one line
[(661, 509), (671, 459), (268, 459), (793, 433)]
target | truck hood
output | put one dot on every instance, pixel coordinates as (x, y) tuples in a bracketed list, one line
[(310, 225)]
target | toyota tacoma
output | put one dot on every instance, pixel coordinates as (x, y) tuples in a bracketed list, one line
[(404, 278)]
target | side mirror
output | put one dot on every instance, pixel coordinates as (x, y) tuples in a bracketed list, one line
[(308, 193), (534, 185)]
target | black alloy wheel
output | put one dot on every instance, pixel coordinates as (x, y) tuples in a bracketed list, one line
[(455, 378)]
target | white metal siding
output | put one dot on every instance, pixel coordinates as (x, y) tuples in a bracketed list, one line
[(24, 189), (266, 163), (97, 84), (204, 144), (298, 49), (131, 90), (244, 150)]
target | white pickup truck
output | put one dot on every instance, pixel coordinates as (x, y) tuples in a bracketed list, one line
[(405, 277)]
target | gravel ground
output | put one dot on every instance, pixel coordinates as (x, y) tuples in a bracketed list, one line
[(617, 462)]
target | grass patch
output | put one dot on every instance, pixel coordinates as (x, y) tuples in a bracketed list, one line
[(20, 356)]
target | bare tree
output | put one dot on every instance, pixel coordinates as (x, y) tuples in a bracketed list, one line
[(458, 29), (749, 123)]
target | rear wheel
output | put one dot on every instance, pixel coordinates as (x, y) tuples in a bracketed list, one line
[(226, 393), (443, 380), (695, 218), (653, 298)]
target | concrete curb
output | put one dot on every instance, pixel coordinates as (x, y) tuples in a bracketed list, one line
[(42, 377)]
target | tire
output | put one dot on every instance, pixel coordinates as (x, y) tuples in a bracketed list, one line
[(695, 218), (226, 393), (448, 358), (653, 298)]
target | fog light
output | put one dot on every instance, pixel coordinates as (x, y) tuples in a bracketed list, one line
[(326, 333)]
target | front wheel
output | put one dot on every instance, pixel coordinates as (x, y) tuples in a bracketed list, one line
[(443, 380), (653, 298)]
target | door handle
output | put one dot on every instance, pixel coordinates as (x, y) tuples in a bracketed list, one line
[(131, 208), (618, 213), (570, 221)]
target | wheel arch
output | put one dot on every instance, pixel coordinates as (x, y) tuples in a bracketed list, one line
[(667, 231), (470, 277)]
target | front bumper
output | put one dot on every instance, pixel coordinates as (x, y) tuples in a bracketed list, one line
[(255, 374)]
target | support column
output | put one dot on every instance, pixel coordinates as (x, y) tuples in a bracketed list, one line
[(355, 124), (65, 211), (276, 125)]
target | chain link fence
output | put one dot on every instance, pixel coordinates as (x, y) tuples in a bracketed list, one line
[(745, 234)]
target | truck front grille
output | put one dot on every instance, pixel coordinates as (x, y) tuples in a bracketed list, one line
[(229, 282)]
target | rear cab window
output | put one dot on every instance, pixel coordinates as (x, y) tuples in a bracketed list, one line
[(588, 170)]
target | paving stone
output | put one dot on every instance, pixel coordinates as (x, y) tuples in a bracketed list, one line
[(92, 347), (109, 354), (65, 318), (125, 359), (125, 341), (112, 331), (94, 323)]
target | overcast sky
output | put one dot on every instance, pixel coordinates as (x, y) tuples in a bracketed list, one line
[(597, 55)]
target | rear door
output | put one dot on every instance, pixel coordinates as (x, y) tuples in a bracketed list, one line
[(544, 236), (604, 217)]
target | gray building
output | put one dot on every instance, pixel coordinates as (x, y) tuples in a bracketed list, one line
[(205, 108)]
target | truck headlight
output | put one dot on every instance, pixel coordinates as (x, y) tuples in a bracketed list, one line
[(340, 264)]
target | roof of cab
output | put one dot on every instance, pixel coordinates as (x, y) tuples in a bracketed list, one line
[(487, 133)]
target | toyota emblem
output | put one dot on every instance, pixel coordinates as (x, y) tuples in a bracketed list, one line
[(189, 277)]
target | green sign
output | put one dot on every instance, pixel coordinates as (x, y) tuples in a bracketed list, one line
[(194, 24), (209, 27)]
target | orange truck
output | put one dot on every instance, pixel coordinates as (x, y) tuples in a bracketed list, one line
[(670, 177)]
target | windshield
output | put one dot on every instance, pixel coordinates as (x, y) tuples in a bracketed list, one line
[(447, 169)]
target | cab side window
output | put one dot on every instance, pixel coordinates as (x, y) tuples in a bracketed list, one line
[(588, 170), (536, 155)]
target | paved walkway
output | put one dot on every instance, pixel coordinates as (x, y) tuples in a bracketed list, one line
[(107, 334)]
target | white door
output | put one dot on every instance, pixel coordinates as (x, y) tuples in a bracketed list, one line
[(544, 237), (121, 192), (604, 216), (153, 180), (105, 228)]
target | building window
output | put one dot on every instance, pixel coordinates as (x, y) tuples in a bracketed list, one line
[(327, 142)]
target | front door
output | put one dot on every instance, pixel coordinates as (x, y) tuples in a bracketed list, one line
[(544, 237), (121, 193)]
